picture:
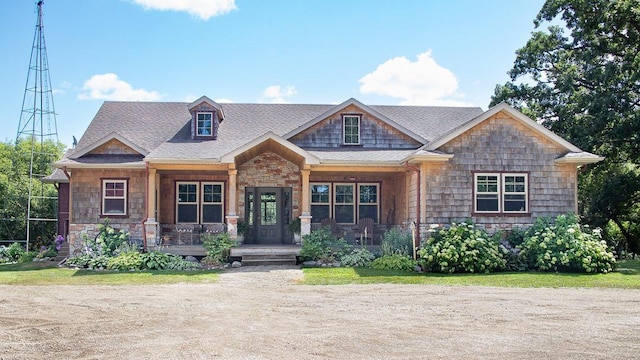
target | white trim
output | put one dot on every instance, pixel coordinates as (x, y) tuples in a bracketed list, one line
[(523, 119), (353, 203), (525, 193), (205, 99), (336, 109), (579, 158), (344, 129), (74, 165), (229, 158), (376, 204), (197, 124), (497, 192), (123, 197)]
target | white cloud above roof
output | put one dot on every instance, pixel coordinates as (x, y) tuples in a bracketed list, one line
[(421, 82), (109, 87), (276, 94), (204, 9)]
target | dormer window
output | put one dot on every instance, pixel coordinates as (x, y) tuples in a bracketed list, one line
[(205, 124), (351, 129)]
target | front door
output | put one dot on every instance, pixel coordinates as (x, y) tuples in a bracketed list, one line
[(267, 211)]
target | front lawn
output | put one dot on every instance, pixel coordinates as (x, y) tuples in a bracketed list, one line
[(44, 273), (626, 276)]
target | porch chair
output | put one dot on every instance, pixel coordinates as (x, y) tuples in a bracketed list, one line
[(184, 230), (365, 230), (331, 223)]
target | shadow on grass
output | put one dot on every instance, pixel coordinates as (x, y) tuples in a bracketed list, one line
[(182, 273), (29, 266)]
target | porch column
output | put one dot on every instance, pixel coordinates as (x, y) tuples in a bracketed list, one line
[(233, 173), (423, 192), (305, 218), (151, 225)]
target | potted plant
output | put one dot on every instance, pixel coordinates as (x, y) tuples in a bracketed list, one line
[(243, 230), (294, 227)]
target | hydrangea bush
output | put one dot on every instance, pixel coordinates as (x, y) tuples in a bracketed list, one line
[(565, 245), (461, 248)]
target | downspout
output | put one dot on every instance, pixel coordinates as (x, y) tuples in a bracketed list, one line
[(418, 190), (146, 210)]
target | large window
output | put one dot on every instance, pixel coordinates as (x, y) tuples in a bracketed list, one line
[(345, 202), (204, 124), (351, 129), (501, 193), (114, 197), (199, 202)]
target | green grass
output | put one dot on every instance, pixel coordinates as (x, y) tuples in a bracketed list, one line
[(627, 276), (41, 273)]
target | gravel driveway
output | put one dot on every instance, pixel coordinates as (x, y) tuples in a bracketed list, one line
[(261, 313)]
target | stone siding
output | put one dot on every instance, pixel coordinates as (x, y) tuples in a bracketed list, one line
[(374, 134), (499, 144), (269, 170)]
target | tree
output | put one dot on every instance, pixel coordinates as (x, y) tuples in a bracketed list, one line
[(15, 160), (581, 78)]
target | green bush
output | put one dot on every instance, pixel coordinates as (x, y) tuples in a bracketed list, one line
[(565, 246), (358, 257), (178, 263), (98, 262), (12, 253), (47, 253), (396, 242), (155, 260), (218, 246), (320, 245), (461, 248), (107, 240), (394, 262), (125, 261)]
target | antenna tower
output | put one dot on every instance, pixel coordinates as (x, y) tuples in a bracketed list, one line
[(38, 128)]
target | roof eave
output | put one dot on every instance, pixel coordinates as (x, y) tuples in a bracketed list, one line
[(579, 160)]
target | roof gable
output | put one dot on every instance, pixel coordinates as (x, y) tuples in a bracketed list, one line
[(353, 102), (268, 140), (515, 114), (114, 136)]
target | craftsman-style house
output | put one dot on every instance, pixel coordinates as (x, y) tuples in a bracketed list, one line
[(176, 170)]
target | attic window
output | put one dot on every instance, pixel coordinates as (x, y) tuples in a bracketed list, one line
[(351, 129), (204, 126)]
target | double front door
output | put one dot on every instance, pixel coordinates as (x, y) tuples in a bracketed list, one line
[(268, 214)]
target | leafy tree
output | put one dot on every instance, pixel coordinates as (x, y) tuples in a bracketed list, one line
[(15, 160), (581, 78)]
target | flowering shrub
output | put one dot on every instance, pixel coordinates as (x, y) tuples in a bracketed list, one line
[(358, 257), (566, 246), (394, 262), (461, 248), (58, 242), (396, 242), (106, 242)]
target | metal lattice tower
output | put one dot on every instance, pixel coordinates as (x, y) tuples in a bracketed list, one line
[(38, 127)]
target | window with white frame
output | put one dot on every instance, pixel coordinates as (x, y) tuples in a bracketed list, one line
[(320, 202), (114, 197), (344, 203), (199, 202), (351, 129), (368, 201), (204, 124), (501, 193)]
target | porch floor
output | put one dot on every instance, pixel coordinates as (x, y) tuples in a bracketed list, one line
[(238, 251)]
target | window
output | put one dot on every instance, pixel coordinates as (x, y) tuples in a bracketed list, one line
[(199, 202), (351, 129), (114, 197), (368, 201), (204, 126), (501, 193), (343, 203), (320, 202)]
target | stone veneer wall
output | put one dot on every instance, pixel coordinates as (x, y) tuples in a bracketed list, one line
[(499, 144), (269, 170), (86, 203)]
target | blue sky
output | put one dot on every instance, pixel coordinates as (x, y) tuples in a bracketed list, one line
[(418, 52)]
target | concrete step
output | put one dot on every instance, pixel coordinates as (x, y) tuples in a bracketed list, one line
[(268, 259)]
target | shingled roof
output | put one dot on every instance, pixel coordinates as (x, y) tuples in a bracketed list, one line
[(162, 129)]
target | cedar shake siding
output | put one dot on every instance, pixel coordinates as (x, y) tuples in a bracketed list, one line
[(500, 144)]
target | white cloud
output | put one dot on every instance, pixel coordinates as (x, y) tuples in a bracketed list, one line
[(204, 9), (276, 94), (223, 100), (110, 87), (423, 82)]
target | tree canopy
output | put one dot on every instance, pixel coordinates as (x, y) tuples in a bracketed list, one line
[(580, 77)]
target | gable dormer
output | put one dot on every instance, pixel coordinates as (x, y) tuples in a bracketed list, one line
[(206, 116)]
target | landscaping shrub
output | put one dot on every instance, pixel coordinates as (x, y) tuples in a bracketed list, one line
[(125, 261), (11, 253), (218, 246), (394, 262), (396, 242), (461, 248), (358, 257), (178, 263), (565, 246), (155, 260), (320, 245), (106, 242)]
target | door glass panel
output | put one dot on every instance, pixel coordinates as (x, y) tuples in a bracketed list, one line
[(268, 209), (249, 214)]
